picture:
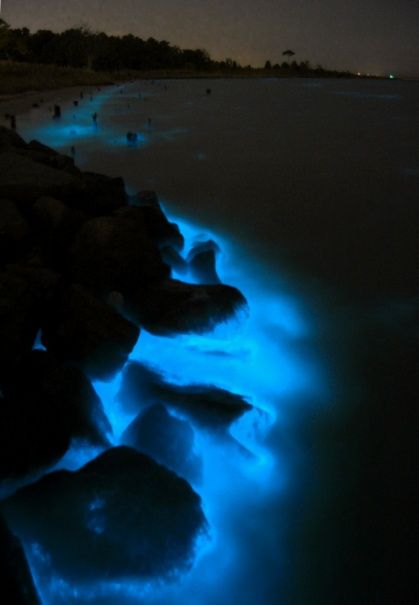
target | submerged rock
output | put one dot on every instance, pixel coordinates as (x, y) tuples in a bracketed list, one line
[(169, 440), (122, 515), (87, 332), (17, 587), (161, 230), (172, 307), (205, 405), (173, 258), (132, 137), (44, 406), (202, 262)]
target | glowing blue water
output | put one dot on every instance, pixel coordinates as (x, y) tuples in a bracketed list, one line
[(76, 128), (254, 356), (258, 355)]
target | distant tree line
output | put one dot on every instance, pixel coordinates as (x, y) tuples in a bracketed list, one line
[(81, 48)]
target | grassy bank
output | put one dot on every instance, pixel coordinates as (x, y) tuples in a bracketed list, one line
[(23, 77)]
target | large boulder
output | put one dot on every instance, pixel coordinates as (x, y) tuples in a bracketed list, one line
[(25, 176), (120, 516), (206, 405), (24, 180), (158, 226), (99, 194), (173, 307), (14, 233), (202, 262), (44, 406), (169, 440), (45, 155), (26, 297), (56, 226), (115, 253), (17, 587), (88, 332)]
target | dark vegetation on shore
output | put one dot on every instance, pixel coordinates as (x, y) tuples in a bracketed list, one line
[(77, 56), (22, 77)]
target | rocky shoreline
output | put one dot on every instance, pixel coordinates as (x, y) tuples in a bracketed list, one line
[(84, 268)]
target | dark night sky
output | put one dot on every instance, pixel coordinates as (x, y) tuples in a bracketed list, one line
[(377, 36)]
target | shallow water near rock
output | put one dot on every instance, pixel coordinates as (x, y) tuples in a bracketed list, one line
[(310, 192)]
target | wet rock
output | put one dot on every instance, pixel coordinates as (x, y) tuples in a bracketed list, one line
[(17, 586), (206, 405), (24, 180), (115, 253), (50, 214), (45, 155), (45, 405), (122, 515), (175, 261), (169, 440), (28, 174), (173, 307), (132, 137), (100, 194), (56, 226), (203, 246), (202, 262), (89, 333), (14, 233), (56, 218), (26, 296), (158, 226)]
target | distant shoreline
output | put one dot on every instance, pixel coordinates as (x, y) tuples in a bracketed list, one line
[(49, 84), (17, 78)]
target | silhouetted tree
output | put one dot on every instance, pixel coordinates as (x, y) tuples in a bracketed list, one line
[(18, 44), (268, 65), (5, 33)]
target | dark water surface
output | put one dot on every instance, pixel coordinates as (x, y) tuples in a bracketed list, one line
[(316, 184)]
